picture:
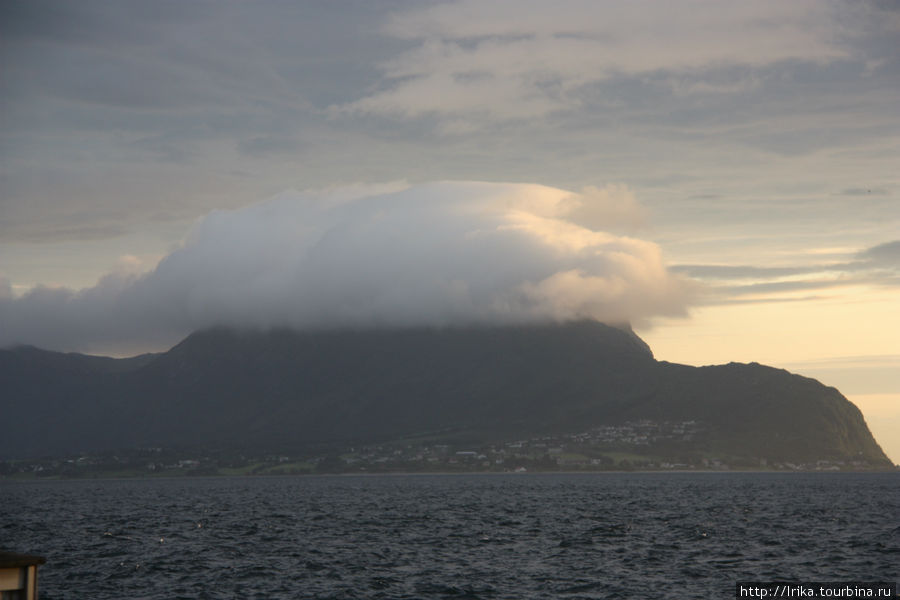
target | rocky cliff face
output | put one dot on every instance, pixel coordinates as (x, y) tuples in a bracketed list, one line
[(282, 389)]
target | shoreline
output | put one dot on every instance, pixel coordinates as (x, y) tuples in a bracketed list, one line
[(100, 477)]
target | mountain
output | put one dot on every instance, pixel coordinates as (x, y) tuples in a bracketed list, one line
[(281, 390)]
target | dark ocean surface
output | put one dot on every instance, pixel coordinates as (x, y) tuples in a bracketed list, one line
[(641, 535)]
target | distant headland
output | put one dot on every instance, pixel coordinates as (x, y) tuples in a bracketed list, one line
[(573, 396)]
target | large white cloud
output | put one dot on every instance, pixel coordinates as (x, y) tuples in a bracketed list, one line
[(434, 254)]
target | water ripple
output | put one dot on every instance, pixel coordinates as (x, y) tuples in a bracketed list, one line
[(484, 537)]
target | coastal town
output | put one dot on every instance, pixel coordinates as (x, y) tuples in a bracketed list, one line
[(643, 445)]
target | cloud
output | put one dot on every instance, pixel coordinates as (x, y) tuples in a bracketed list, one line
[(739, 271), (611, 207), (111, 113), (433, 254), (513, 59), (887, 254), (856, 191), (729, 284), (263, 146)]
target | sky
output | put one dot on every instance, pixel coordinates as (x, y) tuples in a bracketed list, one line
[(724, 175)]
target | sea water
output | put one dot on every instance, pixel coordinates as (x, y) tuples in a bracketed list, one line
[(612, 535)]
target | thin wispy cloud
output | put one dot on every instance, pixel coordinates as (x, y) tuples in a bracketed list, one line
[(514, 60), (857, 191), (728, 284)]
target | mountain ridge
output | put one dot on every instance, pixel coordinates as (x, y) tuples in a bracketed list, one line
[(284, 389)]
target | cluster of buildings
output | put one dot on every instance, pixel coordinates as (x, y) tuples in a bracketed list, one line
[(633, 445), (605, 447)]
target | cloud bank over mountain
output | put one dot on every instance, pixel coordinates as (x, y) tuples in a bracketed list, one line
[(396, 255)]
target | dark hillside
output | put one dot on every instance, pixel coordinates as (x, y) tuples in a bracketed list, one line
[(283, 389)]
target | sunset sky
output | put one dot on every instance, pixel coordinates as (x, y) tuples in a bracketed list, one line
[(723, 175)]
